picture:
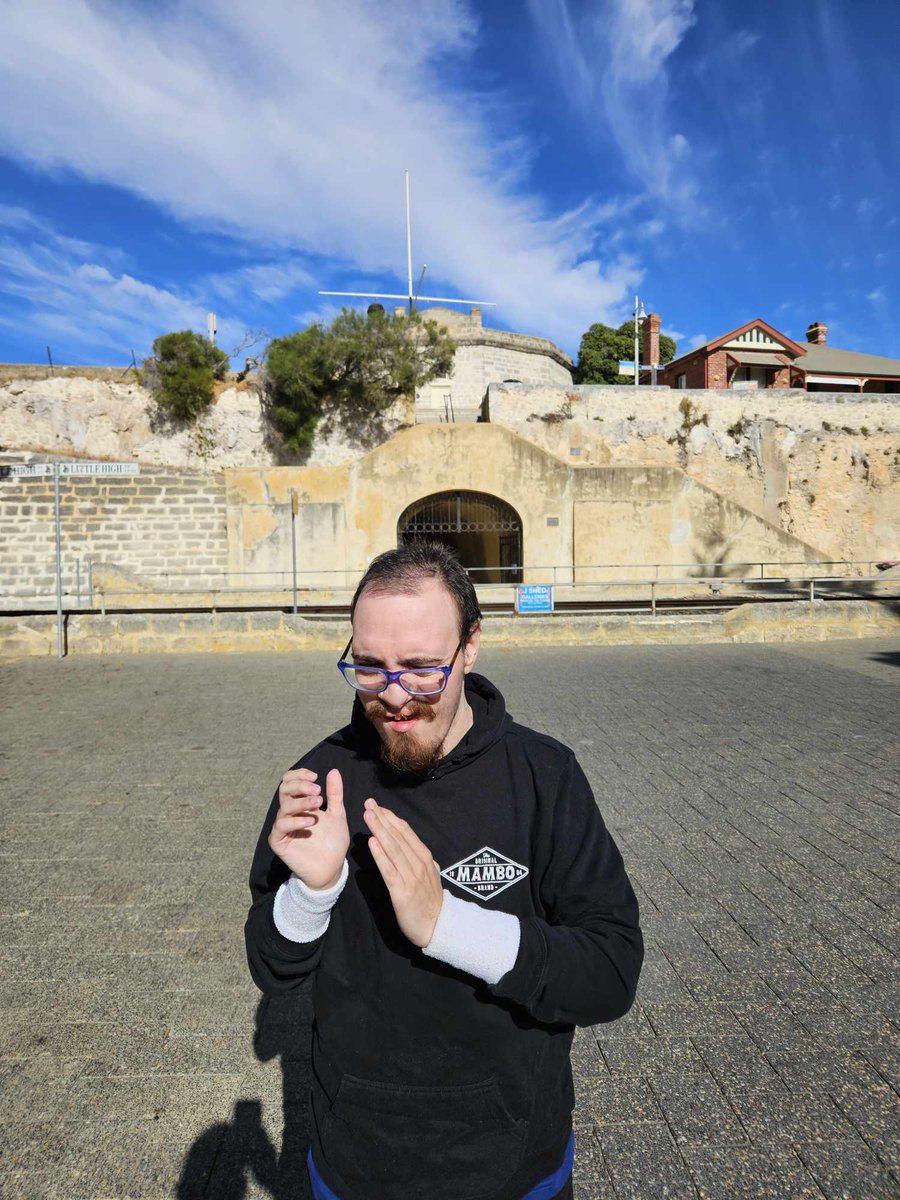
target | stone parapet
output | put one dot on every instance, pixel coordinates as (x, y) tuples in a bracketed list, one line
[(174, 633)]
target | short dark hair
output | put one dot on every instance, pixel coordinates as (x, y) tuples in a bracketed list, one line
[(402, 571)]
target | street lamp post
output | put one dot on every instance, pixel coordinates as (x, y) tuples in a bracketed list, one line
[(639, 315)]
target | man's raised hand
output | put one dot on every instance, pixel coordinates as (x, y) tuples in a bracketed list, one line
[(412, 876), (311, 840)]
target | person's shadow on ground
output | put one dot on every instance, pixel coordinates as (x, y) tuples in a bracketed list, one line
[(225, 1157)]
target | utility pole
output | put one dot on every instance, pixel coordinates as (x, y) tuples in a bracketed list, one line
[(639, 315)]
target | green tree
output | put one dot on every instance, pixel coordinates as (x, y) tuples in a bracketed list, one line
[(602, 348), (349, 373), (181, 372)]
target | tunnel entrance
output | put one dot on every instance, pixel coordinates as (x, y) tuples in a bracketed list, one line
[(484, 531)]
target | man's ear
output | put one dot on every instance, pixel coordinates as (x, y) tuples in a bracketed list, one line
[(470, 649)]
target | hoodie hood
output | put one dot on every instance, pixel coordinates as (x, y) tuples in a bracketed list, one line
[(490, 721)]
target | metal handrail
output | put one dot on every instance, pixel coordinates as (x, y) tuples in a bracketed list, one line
[(716, 583)]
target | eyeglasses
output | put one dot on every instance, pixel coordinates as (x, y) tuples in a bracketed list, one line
[(417, 681)]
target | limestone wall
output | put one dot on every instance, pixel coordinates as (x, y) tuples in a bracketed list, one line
[(822, 467), (133, 529), (570, 517)]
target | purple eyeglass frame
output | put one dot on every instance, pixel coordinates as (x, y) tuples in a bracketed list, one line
[(394, 676)]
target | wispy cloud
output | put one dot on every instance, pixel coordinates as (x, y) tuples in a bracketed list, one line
[(611, 60), (84, 303), (290, 125)]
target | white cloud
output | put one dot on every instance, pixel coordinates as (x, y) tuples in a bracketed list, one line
[(269, 281), (697, 339), (290, 124), (877, 296), (88, 305), (611, 61)]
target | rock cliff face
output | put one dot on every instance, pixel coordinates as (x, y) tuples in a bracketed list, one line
[(103, 418), (824, 467)]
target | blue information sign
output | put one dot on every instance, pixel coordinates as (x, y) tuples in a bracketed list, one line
[(534, 598)]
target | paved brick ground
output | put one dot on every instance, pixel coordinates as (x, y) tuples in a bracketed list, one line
[(753, 790)]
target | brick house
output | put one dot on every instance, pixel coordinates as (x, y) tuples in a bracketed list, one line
[(757, 355)]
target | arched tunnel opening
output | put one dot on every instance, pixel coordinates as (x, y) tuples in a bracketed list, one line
[(484, 531)]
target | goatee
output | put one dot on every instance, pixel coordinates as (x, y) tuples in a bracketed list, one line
[(404, 751)]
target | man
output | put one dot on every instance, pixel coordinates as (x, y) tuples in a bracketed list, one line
[(446, 877)]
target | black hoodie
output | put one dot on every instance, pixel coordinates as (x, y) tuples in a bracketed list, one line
[(429, 1082)]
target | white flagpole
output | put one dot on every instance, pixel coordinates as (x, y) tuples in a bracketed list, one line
[(408, 246)]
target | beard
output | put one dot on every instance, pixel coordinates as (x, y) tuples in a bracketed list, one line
[(404, 751)]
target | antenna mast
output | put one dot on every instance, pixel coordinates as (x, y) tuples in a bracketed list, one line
[(411, 296), (408, 246)]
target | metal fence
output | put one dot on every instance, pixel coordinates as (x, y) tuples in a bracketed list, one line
[(600, 583)]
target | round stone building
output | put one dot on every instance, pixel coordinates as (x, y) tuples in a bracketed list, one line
[(485, 356)]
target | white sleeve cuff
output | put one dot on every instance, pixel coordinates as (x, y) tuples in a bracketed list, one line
[(302, 914), (481, 941)]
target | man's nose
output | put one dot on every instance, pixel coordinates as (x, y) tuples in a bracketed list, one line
[(394, 696)]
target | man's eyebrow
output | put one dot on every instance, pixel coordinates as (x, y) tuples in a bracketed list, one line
[(416, 660)]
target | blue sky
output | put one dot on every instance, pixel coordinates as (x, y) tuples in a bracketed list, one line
[(724, 160)]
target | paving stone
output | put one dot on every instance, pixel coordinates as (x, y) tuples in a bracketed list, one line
[(617, 1102), (648, 1056), (644, 1163), (824, 1071), (771, 1117), (697, 1112), (733, 1173), (590, 1179), (738, 1064), (687, 1017), (875, 1113), (848, 1169)]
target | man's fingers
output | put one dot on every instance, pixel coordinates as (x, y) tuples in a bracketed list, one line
[(303, 773), (392, 839), (292, 805), (405, 834), (389, 872), (285, 825), (299, 787), (334, 790)]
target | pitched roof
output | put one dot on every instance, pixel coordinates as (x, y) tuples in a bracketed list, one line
[(825, 360), (832, 361), (756, 323), (786, 344)]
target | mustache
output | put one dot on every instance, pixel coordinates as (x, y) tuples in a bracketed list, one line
[(377, 709)]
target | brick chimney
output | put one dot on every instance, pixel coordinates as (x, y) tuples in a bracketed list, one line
[(650, 340), (817, 333)]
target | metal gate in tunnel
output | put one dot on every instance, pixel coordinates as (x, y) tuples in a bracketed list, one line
[(483, 530)]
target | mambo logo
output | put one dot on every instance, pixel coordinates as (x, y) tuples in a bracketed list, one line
[(485, 873)]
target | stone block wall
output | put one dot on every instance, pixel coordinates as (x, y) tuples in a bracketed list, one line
[(156, 522)]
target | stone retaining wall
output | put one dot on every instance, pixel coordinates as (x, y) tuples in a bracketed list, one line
[(172, 633)]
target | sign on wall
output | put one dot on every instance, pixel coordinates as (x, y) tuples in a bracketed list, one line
[(69, 468), (534, 598)]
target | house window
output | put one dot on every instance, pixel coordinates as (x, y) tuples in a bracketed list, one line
[(681, 382)]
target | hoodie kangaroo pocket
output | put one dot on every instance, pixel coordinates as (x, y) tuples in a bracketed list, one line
[(458, 1141)]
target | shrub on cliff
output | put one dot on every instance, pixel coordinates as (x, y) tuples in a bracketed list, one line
[(349, 373), (181, 372)]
